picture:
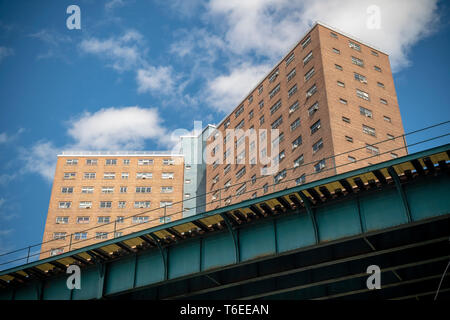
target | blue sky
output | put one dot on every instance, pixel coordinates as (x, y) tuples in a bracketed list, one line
[(156, 66)]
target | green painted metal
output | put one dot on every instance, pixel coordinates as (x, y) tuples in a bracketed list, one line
[(371, 211)]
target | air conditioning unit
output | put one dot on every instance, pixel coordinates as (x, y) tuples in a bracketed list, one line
[(308, 94), (296, 165), (363, 81)]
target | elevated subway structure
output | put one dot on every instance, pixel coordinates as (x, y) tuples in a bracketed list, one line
[(312, 241)]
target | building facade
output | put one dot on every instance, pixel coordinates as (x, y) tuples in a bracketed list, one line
[(329, 95), (193, 148), (97, 196)]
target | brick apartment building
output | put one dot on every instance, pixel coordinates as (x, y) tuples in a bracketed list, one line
[(94, 192), (330, 94)]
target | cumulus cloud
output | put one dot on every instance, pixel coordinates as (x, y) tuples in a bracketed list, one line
[(7, 138), (5, 52), (116, 129), (160, 79), (226, 91), (124, 52), (40, 159)]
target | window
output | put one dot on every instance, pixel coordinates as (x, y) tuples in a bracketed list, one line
[(279, 157), (254, 195), (167, 175), (227, 184), (333, 35), (341, 84), (117, 234), (266, 187), (67, 190), (87, 189), (226, 124), (145, 162), (312, 110), (368, 130), (360, 77), (345, 119), (357, 61), (309, 74), (387, 119), (365, 112), (123, 189), (165, 219), (83, 220), (142, 204), (381, 85), (295, 124), (139, 219), (250, 114), (85, 204), (319, 166), (59, 236), (101, 235), (187, 181), (390, 136), (277, 122), (351, 159), (262, 135), (274, 91), (377, 68), (254, 179), (62, 220), (343, 101), (297, 142), (383, 101), (126, 162), (292, 90), (315, 127), (103, 219), (311, 91), (373, 150), (240, 173), (278, 139), (260, 89), (143, 189), (227, 169), (308, 58), (394, 155), (291, 74), (374, 53), (338, 67), (280, 176), (168, 189), (241, 190), (250, 99), (337, 51), (306, 42), (187, 195), (69, 175), (275, 107), (273, 76), (294, 107), (240, 125), (105, 204), (122, 204), (290, 59), (144, 175), (91, 162), (89, 175), (240, 158), (238, 112), (109, 175), (298, 162), (263, 152), (355, 46), (317, 146), (71, 162), (261, 104), (64, 204), (125, 175), (362, 95), (80, 235), (165, 204), (300, 180), (56, 251), (349, 139), (107, 189), (111, 162), (168, 162)]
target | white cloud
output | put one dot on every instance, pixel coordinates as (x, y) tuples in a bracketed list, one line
[(40, 159), (114, 4), (124, 52), (55, 43), (270, 27), (7, 138), (159, 79), (116, 129), (226, 91), (5, 52)]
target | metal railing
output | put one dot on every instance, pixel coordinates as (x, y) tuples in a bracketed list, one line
[(163, 216)]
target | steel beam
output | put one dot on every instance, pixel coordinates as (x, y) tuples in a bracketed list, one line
[(310, 210), (233, 234), (401, 192)]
